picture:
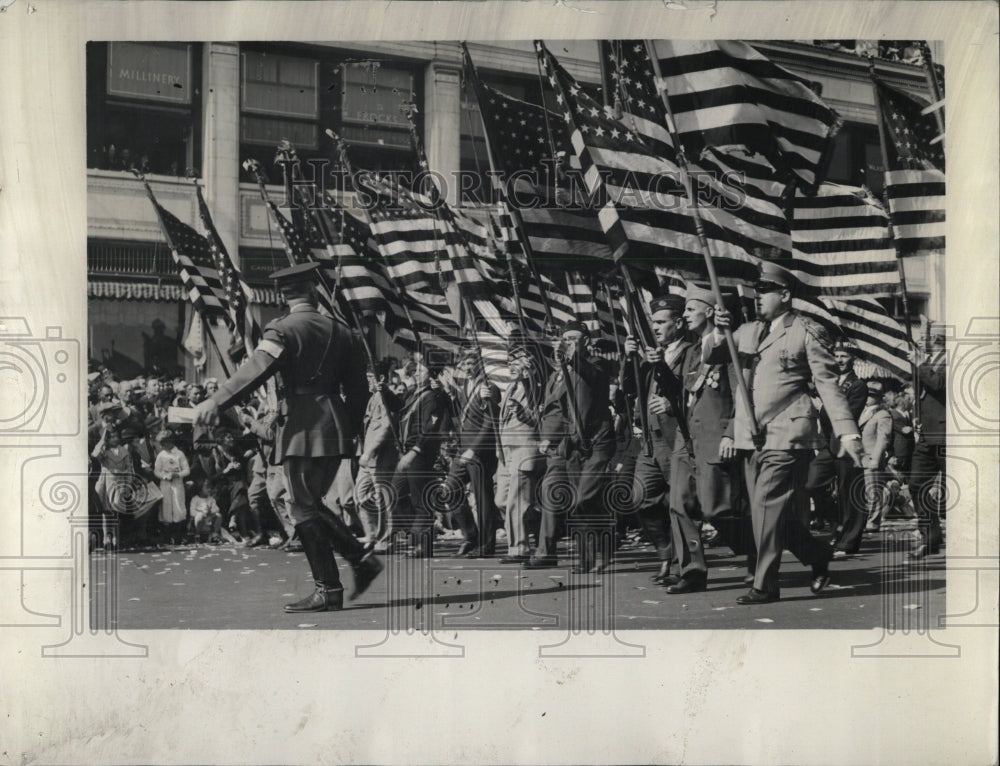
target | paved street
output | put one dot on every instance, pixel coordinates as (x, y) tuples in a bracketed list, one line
[(219, 587)]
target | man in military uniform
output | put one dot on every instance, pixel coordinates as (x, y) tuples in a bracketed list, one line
[(660, 372), (789, 352), (702, 470), (578, 437), (322, 373)]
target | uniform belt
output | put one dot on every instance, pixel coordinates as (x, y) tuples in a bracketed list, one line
[(306, 390)]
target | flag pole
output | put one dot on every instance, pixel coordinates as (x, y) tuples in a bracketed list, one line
[(935, 87), (744, 392), (884, 144), (170, 244), (346, 164), (444, 216)]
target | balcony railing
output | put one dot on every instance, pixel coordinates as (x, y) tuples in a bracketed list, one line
[(130, 259)]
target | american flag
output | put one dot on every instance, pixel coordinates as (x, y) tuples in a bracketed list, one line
[(193, 255), (561, 227), (914, 172), (879, 338), (740, 194), (723, 93), (644, 211), (842, 244), (246, 330)]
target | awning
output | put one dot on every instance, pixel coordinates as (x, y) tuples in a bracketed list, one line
[(112, 289)]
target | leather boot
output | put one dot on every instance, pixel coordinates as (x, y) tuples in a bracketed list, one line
[(341, 538), (329, 594), (365, 571)]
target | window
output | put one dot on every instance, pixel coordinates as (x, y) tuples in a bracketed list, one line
[(297, 94), (144, 107)]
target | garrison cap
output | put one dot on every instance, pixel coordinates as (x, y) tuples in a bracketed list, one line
[(774, 277), (302, 272), (669, 302), (875, 387), (695, 293)]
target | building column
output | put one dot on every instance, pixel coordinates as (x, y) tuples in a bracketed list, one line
[(221, 152), (442, 122)]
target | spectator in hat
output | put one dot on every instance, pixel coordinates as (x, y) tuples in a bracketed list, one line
[(171, 468), (876, 436)]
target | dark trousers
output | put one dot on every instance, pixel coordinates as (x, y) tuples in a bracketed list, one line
[(848, 512), (651, 496), (703, 488), (480, 530), (775, 481), (412, 504), (572, 493), (927, 462)]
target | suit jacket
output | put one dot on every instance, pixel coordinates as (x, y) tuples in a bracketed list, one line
[(657, 379), (876, 434), (324, 386), (856, 392), (782, 365), (478, 417), (709, 403), (933, 401), (902, 436), (591, 389), (425, 419), (379, 415)]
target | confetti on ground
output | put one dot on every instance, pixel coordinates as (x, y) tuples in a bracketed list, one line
[(133, 599), (651, 602), (720, 608), (281, 580), (176, 583), (912, 606), (497, 577), (163, 572), (287, 595), (307, 624), (764, 619), (556, 577), (263, 564), (216, 570), (815, 609)]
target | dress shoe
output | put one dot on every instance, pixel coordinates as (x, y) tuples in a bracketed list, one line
[(540, 562), (670, 579), (660, 577), (517, 558), (465, 549), (364, 573), (322, 599), (757, 597), (821, 577), (688, 585), (840, 555)]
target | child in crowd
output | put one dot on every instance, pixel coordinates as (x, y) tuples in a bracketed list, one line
[(205, 516), (171, 468)]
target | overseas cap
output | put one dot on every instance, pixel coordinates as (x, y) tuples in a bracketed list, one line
[(694, 293), (669, 302)]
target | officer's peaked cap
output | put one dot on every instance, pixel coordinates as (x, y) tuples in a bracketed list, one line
[(302, 272)]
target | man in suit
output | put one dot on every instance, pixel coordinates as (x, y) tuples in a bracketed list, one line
[(789, 353), (828, 471), (522, 466), (324, 392), (705, 478), (578, 437), (659, 373), (424, 422), (929, 452), (476, 464)]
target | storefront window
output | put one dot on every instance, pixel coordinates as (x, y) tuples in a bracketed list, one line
[(143, 107)]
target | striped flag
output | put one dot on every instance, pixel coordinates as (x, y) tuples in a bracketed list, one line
[(723, 93), (245, 327), (879, 338), (193, 255), (914, 172), (643, 210), (561, 227), (842, 246)]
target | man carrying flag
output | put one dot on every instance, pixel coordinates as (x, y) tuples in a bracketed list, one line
[(788, 352), (319, 359)]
